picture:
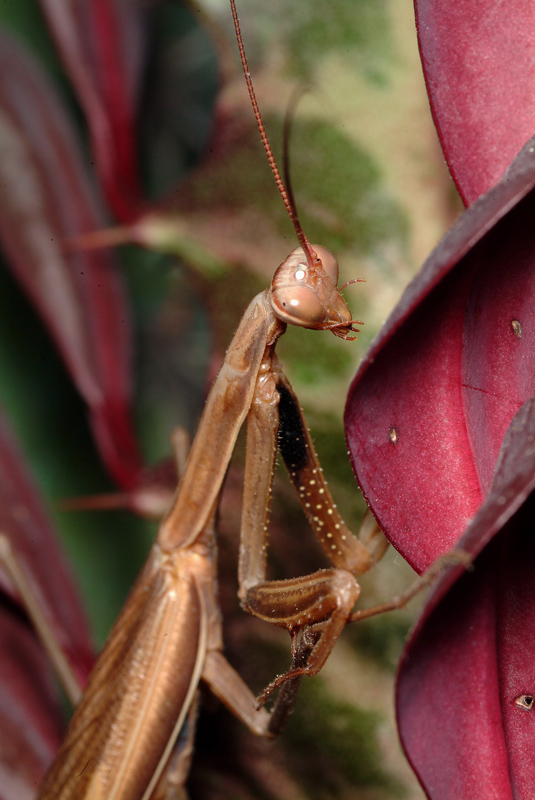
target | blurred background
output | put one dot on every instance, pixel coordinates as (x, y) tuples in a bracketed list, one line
[(370, 184)]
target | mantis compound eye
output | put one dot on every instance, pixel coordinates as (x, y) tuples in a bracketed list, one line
[(329, 262), (302, 294), (298, 305)]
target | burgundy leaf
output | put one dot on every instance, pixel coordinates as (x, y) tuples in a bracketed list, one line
[(45, 198), (30, 712), (24, 521), (469, 661), (30, 715), (430, 404), (102, 44), (478, 58)]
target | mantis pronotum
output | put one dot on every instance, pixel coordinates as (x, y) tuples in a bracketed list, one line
[(168, 636)]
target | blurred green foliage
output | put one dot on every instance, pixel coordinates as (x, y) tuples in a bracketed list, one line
[(344, 740)]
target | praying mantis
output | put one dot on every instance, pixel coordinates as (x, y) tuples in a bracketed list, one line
[(168, 636)]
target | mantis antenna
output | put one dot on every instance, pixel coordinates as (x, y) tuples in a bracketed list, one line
[(312, 257)]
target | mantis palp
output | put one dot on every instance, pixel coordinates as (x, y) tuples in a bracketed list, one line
[(168, 636)]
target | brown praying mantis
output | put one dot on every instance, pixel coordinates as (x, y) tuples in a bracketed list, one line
[(168, 636)]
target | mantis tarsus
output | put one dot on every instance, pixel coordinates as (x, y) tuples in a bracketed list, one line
[(168, 635)]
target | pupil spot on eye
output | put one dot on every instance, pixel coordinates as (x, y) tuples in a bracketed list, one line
[(300, 274)]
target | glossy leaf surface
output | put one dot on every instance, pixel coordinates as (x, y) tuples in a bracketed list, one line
[(430, 404), (45, 198), (470, 659), (102, 45), (479, 64)]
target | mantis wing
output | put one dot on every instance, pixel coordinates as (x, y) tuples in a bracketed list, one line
[(137, 696)]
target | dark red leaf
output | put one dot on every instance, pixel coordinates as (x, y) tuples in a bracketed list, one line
[(479, 64), (430, 404), (30, 717), (471, 655), (24, 521), (45, 198), (102, 44), (30, 712)]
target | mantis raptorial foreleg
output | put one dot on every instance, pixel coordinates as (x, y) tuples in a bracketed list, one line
[(319, 604)]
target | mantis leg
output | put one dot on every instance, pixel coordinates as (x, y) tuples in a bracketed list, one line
[(229, 687), (451, 559), (341, 546), (171, 785), (318, 605)]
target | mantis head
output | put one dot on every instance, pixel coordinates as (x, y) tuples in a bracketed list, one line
[(304, 288), (305, 293)]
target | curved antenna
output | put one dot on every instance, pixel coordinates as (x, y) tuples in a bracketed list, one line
[(288, 122), (303, 241)]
